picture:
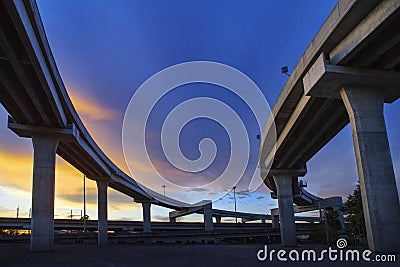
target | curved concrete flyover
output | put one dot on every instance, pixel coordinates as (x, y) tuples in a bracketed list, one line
[(33, 93), (346, 74)]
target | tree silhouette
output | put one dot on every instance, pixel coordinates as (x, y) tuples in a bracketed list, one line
[(355, 215)]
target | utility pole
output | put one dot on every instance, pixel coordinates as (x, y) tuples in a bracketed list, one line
[(164, 186), (18, 211), (234, 197), (84, 204), (326, 227)]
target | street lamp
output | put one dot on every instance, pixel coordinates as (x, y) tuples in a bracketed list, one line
[(285, 70), (164, 186), (234, 197), (84, 204)]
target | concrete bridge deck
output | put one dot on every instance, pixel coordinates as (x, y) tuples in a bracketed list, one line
[(358, 37), (346, 74), (33, 93)]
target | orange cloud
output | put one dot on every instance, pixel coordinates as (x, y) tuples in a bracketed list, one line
[(16, 179), (16, 167), (89, 108), (103, 124), (16, 170)]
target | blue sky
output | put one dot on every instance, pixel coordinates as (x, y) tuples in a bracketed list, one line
[(105, 51)]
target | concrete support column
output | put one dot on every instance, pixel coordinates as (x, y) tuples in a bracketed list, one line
[(208, 221), (263, 220), (286, 212), (42, 222), (172, 219), (341, 220), (218, 219), (275, 221), (146, 217), (102, 212), (375, 169)]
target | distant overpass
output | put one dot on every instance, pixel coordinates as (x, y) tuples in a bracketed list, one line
[(244, 216), (347, 72), (135, 226), (131, 232)]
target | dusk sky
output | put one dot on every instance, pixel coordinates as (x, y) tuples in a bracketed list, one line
[(106, 49)]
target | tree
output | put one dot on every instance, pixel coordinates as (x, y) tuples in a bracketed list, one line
[(329, 230), (333, 223), (353, 208)]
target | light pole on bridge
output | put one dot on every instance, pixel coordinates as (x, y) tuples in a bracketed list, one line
[(164, 186), (84, 204), (234, 197)]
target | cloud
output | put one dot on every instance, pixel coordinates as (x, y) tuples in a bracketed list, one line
[(140, 167), (77, 197), (16, 180), (161, 218), (243, 193), (16, 170), (89, 108), (103, 123), (199, 189)]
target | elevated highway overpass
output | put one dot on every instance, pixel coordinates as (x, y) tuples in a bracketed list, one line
[(357, 34), (347, 72), (33, 93)]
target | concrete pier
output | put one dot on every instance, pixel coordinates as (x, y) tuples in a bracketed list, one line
[(146, 217), (375, 168), (42, 224), (286, 212), (341, 220), (208, 220), (102, 212), (275, 221)]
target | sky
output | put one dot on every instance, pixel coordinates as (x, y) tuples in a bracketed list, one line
[(105, 51)]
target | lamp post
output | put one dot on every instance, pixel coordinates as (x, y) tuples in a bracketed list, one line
[(164, 186), (285, 70), (84, 204), (234, 197)]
